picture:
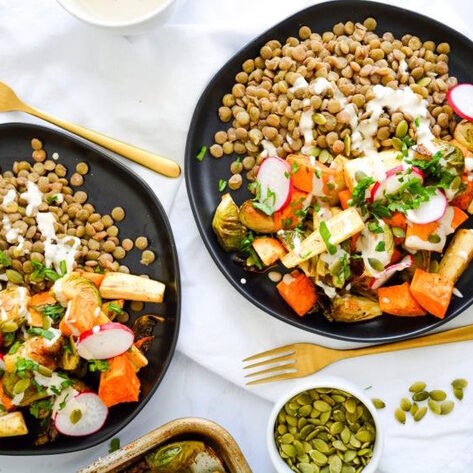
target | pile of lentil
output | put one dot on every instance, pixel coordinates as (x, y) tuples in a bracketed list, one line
[(101, 248), (263, 106)]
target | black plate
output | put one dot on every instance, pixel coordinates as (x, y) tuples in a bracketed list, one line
[(109, 184), (202, 177)]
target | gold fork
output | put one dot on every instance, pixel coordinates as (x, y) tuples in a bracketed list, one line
[(302, 359), (9, 102)]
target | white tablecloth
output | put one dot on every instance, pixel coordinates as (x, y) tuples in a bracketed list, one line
[(143, 90)]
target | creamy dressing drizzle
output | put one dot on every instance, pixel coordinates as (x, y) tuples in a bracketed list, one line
[(9, 197), (33, 197)]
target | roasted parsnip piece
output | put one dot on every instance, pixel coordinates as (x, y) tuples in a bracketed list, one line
[(131, 288), (12, 425), (458, 255), (341, 227)]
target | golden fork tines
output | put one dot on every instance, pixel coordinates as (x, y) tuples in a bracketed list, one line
[(10, 102), (302, 359)]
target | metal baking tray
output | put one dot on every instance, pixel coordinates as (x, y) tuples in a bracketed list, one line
[(188, 428)]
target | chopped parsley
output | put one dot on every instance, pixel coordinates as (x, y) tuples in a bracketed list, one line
[(14, 348), (417, 122), (201, 153), (23, 366), (5, 261), (98, 365), (41, 332), (55, 311), (358, 196), (114, 445), (62, 404), (41, 408), (52, 198), (375, 227), (41, 272), (294, 167), (255, 258), (222, 184), (115, 307), (247, 241), (99, 269), (63, 267), (325, 234), (264, 207), (381, 246)]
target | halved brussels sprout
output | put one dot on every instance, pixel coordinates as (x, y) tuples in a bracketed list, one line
[(464, 134), (256, 220), (227, 226), (73, 284), (351, 308)]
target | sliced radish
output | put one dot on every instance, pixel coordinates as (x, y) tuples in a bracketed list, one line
[(84, 414), (460, 99), (2, 362), (389, 272), (394, 180), (275, 180), (429, 211), (105, 341)]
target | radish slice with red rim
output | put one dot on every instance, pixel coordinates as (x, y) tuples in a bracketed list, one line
[(2, 362), (275, 181), (460, 99), (429, 211), (394, 180), (84, 414), (389, 272), (105, 341)]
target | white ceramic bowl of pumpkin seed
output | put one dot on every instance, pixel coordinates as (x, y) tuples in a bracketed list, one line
[(326, 425)]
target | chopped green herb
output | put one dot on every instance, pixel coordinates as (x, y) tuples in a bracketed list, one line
[(41, 408), (62, 404), (115, 307), (286, 175), (41, 332), (52, 198), (55, 311), (358, 196), (99, 269), (255, 258), (23, 366), (246, 242), (42, 272), (63, 267), (375, 227), (222, 184), (14, 348), (201, 153), (270, 195), (98, 365), (286, 223), (417, 122), (325, 234), (294, 167), (5, 261), (265, 208), (39, 388), (380, 246), (114, 445)]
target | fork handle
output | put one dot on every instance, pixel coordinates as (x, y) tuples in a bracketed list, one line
[(145, 158), (461, 334)]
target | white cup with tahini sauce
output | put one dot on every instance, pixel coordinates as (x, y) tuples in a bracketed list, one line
[(120, 16)]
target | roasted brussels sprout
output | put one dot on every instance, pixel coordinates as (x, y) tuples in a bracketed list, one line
[(73, 284), (464, 134), (351, 308), (227, 226), (184, 457), (256, 220)]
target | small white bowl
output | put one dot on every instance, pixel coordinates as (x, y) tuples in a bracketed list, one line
[(132, 26), (326, 382)]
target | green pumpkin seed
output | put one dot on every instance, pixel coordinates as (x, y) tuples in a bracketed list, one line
[(401, 129), (318, 457), (417, 387), (446, 407), (398, 232), (321, 445), (434, 266), (456, 183), (378, 403), (9, 326), (434, 406), (75, 416), (350, 405), (460, 383), (339, 415), (306, 430), (308, 468), (292, 421), (397, 143), (14, 276), (319, 119), (354, 442), (438, 395), (414, 409), (325, 157), (339, 445), (282, 429), (335, 464), (420, 414), (324, 417), (376, 264), (349, 456), (336, 428), (458, 393), (360, 175), (289, 450), (304, 411), (400, 415), (405, 404), (420, 396), (44, 371), (304, 399), (299, 448), (345, 435), (21, 386), (434, 238), (424, 82), (322, 406), (287, 438), (348, 469)]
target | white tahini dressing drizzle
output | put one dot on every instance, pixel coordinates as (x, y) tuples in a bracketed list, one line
[(11, 234), (56, 249), (33, 197), (9, 197)]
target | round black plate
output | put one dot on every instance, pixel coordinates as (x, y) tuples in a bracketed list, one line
[(108, 184), (202, 177)]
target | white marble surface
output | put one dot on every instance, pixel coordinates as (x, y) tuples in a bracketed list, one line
[(122, 86)]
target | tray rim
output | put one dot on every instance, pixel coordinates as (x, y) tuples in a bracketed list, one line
[(105, 154)]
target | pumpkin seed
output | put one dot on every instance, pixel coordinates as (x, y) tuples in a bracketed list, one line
[(438, 395), (14, 276), (308, 468), (21, 386), (299, 448), (339, 445), (434, 406), (349, 456), (282, 429), (322, 406), (318, 457), (321, 445), (319, 119), (364, 436), (289, 450), (398, 232), (350, 405), (347, 143), (75, 416), (446, 407), (434, 238), (417, 387), (324, 417), (45, 371), (287, 438), (400, 415), (345, 435), (460, 383), (458, 393), (401, 129), (306, 430), (9, 326), (304, 399), (405, 404), (348, 469), (304, 411), (376, 264), (336, 428), (420, 396), (397, 143), (420, 414), (456, 183), (424, 82), (335, 464), (414, 409), (378, 403)]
